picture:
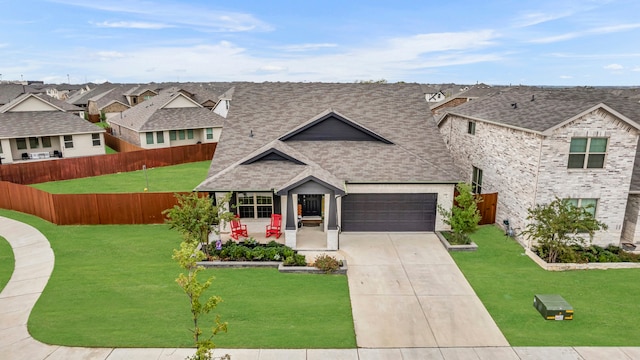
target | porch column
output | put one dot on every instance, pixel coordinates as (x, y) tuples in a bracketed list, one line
[(332, 223), (290, 223)]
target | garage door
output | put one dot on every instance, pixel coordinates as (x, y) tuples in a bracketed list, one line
[(389, 212)]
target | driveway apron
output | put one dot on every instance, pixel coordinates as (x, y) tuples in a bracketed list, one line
[(406, 291)]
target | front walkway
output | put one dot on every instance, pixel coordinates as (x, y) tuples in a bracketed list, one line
[(34, 264)]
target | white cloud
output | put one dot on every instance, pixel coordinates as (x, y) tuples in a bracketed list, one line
[(107, 55), (566, 77), (307, 47), (537, 17), (391, 59), (594, 31), (614, 67), (131, 25), (177, 14), (637, 68)]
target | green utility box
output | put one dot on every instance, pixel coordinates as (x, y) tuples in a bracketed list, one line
[(553, 307)]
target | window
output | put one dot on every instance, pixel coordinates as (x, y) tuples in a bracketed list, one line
[(149, 138), (46, 141), (181, 134), (160, 137), (34, 143), (471, 128), (21, 143), (255, 205), (147, 97), (190, 134), (476, 182), (590, 204), (0, 147), (587, 153), (209, 134), (95, 139), (172, 135), (68, 141)]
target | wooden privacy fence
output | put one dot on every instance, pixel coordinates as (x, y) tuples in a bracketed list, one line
[(87, 209), (119, 145), (487, 207), (73, 168)]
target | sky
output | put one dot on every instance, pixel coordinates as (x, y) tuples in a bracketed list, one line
[(497, 42)]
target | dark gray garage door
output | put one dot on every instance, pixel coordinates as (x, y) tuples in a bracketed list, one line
[(389, 212)]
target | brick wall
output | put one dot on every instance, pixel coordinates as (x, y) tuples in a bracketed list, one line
[(528, 169)]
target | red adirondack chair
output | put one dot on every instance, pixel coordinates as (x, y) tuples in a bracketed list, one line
[(237, 229), (274, 227)]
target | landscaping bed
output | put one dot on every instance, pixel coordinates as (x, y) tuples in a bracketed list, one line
[(442, 236), (250, 253)]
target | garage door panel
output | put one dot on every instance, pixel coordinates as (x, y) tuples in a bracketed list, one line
[(389, 212)]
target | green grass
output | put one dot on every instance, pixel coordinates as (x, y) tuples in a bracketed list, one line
[(114, 286), (605, 301), (176, 178), (109, 150), (6, 262)]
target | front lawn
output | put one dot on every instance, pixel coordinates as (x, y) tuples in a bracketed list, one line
[(114, 286), (506, 280), (6, 262), (176, 178)]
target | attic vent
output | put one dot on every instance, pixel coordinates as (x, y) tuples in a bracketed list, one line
[(514, 105)]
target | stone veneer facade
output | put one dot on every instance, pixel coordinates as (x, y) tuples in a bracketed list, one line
[(528, 168)]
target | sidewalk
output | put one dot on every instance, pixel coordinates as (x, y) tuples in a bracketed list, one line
[(34, 264)]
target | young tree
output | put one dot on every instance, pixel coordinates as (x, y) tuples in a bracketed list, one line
[(464, 216), (558, 225), (195, 217), (187, 257)]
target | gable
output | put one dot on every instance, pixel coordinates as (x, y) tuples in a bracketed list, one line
[(333, 127), (180, 101), (33, 103), (273, 155)]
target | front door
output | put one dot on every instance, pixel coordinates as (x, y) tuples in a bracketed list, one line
[(311, 204)]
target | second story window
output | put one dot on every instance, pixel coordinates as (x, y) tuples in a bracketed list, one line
[(587, 153), (471, 128)]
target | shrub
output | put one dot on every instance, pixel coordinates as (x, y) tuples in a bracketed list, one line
[(326, 263), (295, 260)]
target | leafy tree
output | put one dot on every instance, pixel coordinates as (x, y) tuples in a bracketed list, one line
[(195, 217), (187, 257), (558, 225), (464, 216)]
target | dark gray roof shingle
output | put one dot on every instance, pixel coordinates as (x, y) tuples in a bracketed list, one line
[(396, 112), (43, 123), (542, 109)]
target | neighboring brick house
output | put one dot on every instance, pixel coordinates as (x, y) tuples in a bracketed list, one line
[(170, 118), (532, 145)]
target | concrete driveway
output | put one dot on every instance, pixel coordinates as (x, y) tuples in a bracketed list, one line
[(406, 291)]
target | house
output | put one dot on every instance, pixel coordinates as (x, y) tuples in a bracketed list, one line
[(433, 95), (532, 145), (170, 118), (34, 128), (466, 94), (110, 103), (358, 157)]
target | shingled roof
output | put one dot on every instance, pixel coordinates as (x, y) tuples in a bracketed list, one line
[(43, 123), (261, 114), (541, 109), (151, 116)]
